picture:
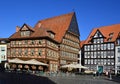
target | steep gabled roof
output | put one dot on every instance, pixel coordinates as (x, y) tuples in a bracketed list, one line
[(17, 34), (106, 31), (27, 26), (59, 25), (36, 33)]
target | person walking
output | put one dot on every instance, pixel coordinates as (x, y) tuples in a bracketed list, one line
[(94, 74)]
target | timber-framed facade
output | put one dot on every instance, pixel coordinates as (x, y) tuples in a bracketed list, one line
[(99, 49), (54, 41)]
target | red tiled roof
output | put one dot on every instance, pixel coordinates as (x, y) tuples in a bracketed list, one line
[(29, 27), (58, 25), (106, 30), (36, 33), (82, 43)]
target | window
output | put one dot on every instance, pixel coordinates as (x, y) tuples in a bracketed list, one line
[(40, 42), (95, 41), (112, 54), (105, 61), (108, 46), (94, 54), (91, 61), (91, 47), (102, 54), (118, 67), (95, 61), (109, 39), (86, 55), (20, 51), (88, 47), (85, 48), (26, 41), (98, 54), (118, 41), (13, 51), (32, 41), (104, 46), (52, 35), (2, 48), (118, 59), (101, 40), (112, 45), (98, 47), (118, 50), (26, 52), (95, 47), (111, 34), (102, 62), (98, 40), (25, 33), (85, 61), (40, 52), (88, 61), (32, 52)]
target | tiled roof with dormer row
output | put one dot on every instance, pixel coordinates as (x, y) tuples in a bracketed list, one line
[(106, 31), (58, 25)]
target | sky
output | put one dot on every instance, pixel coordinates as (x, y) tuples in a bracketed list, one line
[(89, 13)]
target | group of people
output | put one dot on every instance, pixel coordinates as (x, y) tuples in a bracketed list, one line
[(97, 74)]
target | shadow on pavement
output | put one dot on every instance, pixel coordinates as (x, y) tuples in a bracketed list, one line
[(116, 79), (22, 78)]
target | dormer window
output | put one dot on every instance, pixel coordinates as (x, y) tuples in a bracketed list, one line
[(51, 34), (25, 33), (109, 39), (98, 34), (111, 34), (26, 30)]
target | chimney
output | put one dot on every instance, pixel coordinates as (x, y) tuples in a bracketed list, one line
[(39, 25), (17, 28)]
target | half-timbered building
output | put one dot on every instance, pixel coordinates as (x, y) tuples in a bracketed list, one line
[(54, 41), (98, 50)]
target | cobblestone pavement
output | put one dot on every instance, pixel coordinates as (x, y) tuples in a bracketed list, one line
[(23, 78), (84, 80)]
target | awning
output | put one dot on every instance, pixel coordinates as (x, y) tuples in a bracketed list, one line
[(32, 62), (74, 66), (35, 62), (68, 66), (80, 66), (16, 60)]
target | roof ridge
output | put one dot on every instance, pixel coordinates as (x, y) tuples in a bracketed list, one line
[(106, 30), (72, 13), (106, 26)]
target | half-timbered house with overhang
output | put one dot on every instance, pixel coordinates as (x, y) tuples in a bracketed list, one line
[(54, 41), (100, 51)]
